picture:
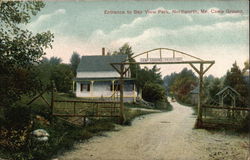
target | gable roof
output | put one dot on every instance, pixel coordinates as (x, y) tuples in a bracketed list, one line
[(226, 88), (99, 63)]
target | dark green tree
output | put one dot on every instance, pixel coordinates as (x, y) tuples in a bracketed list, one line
[(213, 88), (62, 76), (153, 92), (20, 49), (147, 75), (235, 79), (182, 84), (74, 61), (127, 50)]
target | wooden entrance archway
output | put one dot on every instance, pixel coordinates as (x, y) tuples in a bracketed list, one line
[(165, 56)]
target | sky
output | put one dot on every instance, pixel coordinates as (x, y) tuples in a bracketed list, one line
[(220, 34)]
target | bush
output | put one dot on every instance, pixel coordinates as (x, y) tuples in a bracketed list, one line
[(153, 92), (15, 127), (17, 116)]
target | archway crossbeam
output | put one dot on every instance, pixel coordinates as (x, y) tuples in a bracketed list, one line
[(123, 67), (168, 49)]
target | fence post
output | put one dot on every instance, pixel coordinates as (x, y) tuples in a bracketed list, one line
[(52, 100), (74, 108)]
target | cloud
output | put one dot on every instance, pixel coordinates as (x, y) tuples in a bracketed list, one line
[(44, 18), (140, 24), (197, 34)]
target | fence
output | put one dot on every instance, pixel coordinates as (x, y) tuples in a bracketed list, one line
[(226, 115), (76, 111)]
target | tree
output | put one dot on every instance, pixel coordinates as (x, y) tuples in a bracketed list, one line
[(61, 74), (182, 83), (74, 61), (213, 88), (19, 50), (146, 75), (235, 79), (246, 66), (55, 60), (127, 50), (153, 92)]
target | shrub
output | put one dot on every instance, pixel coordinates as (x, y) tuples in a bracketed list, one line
[(153, 92), (17, 116)]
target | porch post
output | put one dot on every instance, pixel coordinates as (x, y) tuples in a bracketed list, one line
[(113, 87), (134, 94), (92, 89), (73, 86)]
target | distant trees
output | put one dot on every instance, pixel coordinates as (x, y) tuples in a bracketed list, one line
[(246, 66), (74, 61), (55, 60), (53, 69), (180, 84)]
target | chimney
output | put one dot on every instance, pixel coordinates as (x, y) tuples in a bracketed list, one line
[(103, 51)]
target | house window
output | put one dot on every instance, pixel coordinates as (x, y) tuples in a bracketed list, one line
[(81, 87), (85, 87)]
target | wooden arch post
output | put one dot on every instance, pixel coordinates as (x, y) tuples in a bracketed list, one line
[(201, 71), (122, 115)]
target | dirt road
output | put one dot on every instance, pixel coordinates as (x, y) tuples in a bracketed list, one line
[(162, 136)]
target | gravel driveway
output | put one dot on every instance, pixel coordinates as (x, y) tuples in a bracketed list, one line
[(162, 136)]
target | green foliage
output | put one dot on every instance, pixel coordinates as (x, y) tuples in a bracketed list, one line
[(55, 60), (127, 50), (17, 116), (16, 81), (146, 75), (61, 74), (74, 61), (180, 84), (235, 79), (19, 50), (246, 66), (15, 127), (214, 87), (153, 92)]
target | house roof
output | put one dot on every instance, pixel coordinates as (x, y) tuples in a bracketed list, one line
[(99, 63), (226, 88)]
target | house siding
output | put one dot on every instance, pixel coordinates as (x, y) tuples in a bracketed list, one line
[(107, 74), (103, 90)]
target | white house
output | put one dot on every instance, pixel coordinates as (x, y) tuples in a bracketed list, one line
[(97, 79)]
